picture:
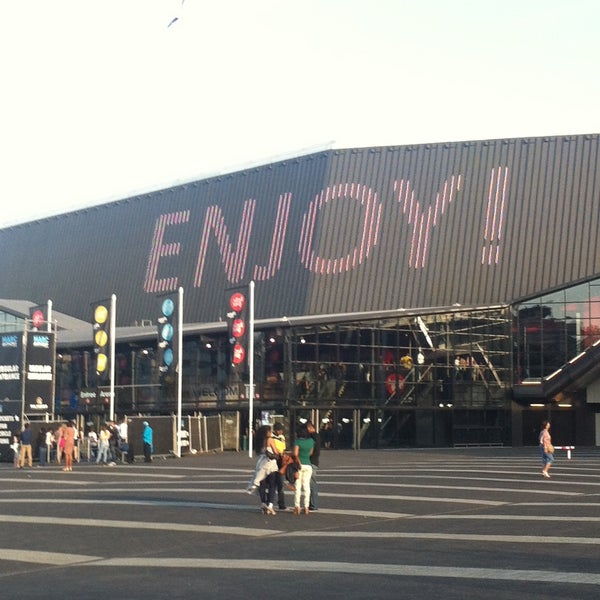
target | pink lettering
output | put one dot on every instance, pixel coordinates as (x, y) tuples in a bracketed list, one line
[(369, 235), (233, 261), (262, 273), (494, 218), (152, 284), (423, 221)]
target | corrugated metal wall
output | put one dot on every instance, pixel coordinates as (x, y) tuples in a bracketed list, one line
[(339, 231)]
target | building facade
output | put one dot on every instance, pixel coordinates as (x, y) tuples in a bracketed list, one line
[(437, 294)]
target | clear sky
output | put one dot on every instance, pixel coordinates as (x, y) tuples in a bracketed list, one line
[(103, 99)]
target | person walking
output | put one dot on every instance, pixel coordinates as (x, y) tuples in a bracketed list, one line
[(303, 448), (314, 461), (25, 450), (148, 442), (546, 449)]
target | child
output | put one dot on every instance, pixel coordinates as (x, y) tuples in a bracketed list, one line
[(15, 448)]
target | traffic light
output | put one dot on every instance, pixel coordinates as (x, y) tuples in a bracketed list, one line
[(101, 325), (166, 337), (237, 326)]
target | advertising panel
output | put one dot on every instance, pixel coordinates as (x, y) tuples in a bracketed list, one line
[(11, 361), (39, 376)]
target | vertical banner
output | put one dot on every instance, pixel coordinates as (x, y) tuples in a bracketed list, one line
[(40, 353), (101, 323), (167, 337), (11, 390), (38, 316), (237, 306), (11, 366)]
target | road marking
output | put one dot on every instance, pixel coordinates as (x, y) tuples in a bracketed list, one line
[(426, 571), (255, 532), (44, 558), (465, 537), (187, 527), (361, 569)]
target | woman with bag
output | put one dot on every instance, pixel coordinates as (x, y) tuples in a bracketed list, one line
[(546, 449), (265, 472)]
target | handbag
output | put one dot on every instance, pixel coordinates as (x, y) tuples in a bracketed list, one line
[(549, 449)]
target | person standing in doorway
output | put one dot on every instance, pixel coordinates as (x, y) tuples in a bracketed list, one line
[(546, 449), (147, 441)]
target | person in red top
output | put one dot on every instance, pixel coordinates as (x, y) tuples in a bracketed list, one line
[(546, 449), (69, 436)]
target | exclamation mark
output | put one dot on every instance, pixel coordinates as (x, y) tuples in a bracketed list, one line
[(494, 218)]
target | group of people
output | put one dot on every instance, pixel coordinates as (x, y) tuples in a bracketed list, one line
[(110, 444), (63, 445), (276, 462)]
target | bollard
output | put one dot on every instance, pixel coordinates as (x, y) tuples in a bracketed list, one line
[(567, 448)]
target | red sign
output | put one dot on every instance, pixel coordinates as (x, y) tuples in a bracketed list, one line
[(238, 328), (38, 318), (238, 354), (390, 383), (237, 301)]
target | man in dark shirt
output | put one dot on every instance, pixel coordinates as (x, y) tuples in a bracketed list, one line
[(314, 459), (26, 438)]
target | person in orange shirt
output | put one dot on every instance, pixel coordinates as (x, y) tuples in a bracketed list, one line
[(69, 437)]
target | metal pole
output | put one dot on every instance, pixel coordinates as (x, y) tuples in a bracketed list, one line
[(179, 367), (113, 328), (251, 369), (49, 316)]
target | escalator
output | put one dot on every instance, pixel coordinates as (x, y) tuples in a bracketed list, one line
[(577, 374)]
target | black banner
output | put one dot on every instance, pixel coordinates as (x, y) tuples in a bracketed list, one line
[(39, 376), (11, 365)]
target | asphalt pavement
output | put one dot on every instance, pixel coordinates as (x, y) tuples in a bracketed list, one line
[(445, 523)]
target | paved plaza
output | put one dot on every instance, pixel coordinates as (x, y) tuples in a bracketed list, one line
[(447, 523)]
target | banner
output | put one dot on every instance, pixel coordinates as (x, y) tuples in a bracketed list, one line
[(38, 316), (39, 373), (10, 425), (11, 364)]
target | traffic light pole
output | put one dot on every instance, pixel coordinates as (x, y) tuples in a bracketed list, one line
[(251, 371), (113, 321), (179, 367)]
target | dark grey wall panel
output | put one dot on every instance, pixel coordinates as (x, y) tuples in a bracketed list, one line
[(339, 231)]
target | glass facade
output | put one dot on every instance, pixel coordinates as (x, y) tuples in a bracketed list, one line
[(431, 379), (554, 328), (10, 323)]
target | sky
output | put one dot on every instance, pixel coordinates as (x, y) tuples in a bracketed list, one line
[(105, 99)]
